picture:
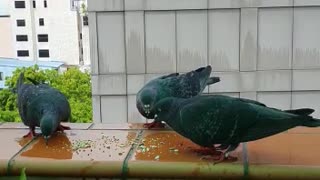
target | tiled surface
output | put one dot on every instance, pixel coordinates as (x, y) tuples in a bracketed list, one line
[(8, 125), (101, 151), (114, 109), (160, 42), (12, 142), (308, 99), (224, 39), (275, 49), (89, 151), (120, 126), (166, 151), (281, 100), (93, 145), (111, 42), (78, 125), (304, 130), (106, 5), (192, 52), (169, 147), (135, 56), (248, 39), (306, 42), (109, 84), (286, 149)]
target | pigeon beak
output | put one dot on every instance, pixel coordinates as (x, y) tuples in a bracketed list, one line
[(46, 138)]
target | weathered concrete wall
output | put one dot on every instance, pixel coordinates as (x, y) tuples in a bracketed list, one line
[(267, 50)]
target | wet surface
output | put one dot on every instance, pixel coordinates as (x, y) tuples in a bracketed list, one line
[(93, 145), (95, 152), (167, 146), (286, 149)]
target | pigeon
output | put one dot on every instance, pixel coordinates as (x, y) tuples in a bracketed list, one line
[(42, 106), (173, 85), (228, 121)]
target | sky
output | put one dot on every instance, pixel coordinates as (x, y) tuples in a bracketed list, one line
[(4, 7)]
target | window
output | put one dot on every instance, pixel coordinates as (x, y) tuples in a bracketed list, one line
[(19, 4), (43, 53), (21, 22), (73, 5), (41, 22), (42, 37), (80, 35), (85, 20), (22, 37), (34, 4), (1, 76), (45, 3), (22, 53)]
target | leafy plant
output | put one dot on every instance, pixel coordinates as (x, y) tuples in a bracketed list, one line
[(73, 83)]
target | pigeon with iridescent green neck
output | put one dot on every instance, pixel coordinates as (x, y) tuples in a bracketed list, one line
[(173, 85), (217, 119), (42, 106)]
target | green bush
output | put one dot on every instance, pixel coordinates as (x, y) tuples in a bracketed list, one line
[(73, 83)]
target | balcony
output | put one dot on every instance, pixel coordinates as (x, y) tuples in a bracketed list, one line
[(90, 151)]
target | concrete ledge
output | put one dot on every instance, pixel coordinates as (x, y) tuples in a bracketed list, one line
[(128, 150)]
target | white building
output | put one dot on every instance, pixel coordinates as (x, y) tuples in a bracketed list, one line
[(6, 42), (48, 30)]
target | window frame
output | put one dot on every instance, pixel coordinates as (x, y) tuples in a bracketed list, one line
[(23, 51), (41, 51), (22, 6), (23, 21), (22, 38), (43, 38)]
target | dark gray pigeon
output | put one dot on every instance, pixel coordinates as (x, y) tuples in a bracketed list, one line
[(42, 106), (217, 119), (173, 85)]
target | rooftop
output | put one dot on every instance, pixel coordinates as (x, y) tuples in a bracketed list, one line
[(10, 62)]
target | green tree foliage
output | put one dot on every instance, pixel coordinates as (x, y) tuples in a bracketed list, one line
[(73, 83)]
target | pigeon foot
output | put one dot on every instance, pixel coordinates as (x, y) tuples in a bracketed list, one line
[(219, 159), (207, 151), (31, 133), (62, 128)]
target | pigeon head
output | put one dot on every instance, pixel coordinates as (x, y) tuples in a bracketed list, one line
[(164, 108), (205, 70), (148, 98), (48, 125)]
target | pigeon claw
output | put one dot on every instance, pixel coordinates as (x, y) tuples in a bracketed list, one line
[(46, 138), (62, 128), (65, 127), (207, 151), (31, 134), (219, 159), (154, 124)]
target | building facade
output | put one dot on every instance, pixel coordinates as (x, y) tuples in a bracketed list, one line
[(6, 43), (47, 29), (262, 50)]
